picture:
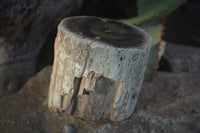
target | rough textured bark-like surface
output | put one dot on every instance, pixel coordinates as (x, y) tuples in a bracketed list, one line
[(25, 26), (98, 68)]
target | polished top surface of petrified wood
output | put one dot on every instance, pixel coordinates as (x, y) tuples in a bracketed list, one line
[(107, 31)]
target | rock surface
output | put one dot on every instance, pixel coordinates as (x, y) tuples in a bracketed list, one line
[(25, 27), (98, 68), (182, 58), (68, 129), (169, 104)]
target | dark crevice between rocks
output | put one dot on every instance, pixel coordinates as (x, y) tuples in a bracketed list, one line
[(46, 54), (164, 65), (77, 82), (182, 26), (85, 92), (61, 101)]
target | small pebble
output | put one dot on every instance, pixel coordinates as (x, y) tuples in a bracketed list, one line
[(68, 129)]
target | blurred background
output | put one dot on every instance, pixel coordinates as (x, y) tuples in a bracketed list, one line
[(28, 29)]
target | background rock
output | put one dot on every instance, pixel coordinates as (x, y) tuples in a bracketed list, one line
[(25, 27), (68, 129), (182, 26), (180, 58)]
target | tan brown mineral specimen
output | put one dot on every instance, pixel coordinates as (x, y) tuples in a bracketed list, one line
[(98, 68)]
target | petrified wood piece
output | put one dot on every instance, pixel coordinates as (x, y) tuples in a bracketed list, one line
[(98, 68)]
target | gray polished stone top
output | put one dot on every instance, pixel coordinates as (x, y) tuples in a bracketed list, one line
[(107, 31)]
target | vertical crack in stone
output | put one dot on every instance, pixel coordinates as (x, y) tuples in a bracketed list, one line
[(88, 83), (74, 100), (85, 92), (86, 59), (77, 83)]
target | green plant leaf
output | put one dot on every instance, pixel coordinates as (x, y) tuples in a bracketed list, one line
[(154, 28), (148, 9)]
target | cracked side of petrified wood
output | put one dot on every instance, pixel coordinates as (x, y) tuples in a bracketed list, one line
[(97, 75)]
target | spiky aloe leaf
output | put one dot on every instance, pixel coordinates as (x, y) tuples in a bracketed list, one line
[(154, 28), (148, 9)]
